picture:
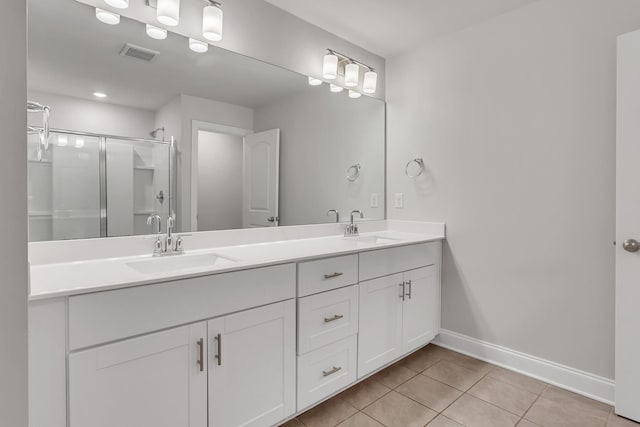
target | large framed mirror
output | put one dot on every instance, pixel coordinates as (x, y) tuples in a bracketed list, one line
[(142, 129)]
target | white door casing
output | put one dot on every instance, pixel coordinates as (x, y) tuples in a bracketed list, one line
[(260, 179)]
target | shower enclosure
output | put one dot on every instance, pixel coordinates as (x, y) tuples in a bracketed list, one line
[(87, 185)]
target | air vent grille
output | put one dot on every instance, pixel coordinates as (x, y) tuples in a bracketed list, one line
[(137, 52)]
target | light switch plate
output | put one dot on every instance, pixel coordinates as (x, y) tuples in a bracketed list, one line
[(374, 200), (399, 203)]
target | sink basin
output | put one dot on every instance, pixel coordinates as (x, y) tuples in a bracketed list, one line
[(372, 240), (178, 262)]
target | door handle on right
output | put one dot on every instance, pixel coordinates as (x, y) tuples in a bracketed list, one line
[(631, 245)]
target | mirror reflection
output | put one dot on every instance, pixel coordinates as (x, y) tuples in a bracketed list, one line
[(143, 129)]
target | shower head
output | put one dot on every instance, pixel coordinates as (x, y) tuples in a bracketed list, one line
[(154, 132)]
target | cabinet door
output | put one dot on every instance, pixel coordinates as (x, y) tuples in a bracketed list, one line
[(380, 336), (152, 381), (421, 308), (252, 366)]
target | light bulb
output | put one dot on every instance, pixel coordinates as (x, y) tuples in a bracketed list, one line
[(351, 75), (99, 94), (79, 142), (314, 82), (169, 12), (335, 88), (107, 17), (198, 46), (353, 94), (62, 141), (156, 33), (370, 82), (330, 66), (212, 18), (118, 4)]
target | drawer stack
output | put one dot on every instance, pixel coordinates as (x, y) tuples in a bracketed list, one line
[(327, 327)]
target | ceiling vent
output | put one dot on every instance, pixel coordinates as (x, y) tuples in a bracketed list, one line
[(138, 52)]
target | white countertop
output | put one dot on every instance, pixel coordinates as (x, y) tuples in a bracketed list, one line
[(92, 275)]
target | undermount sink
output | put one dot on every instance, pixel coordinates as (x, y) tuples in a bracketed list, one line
[(168, 264), (372, 240)]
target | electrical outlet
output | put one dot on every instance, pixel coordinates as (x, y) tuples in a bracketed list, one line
[(399, 204), (374, 200)]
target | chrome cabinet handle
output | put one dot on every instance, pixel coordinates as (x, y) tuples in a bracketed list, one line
[(333, 319), (331, 276), (200, 361), (332, 371), (410, 289), (218, 356), (402, 293)]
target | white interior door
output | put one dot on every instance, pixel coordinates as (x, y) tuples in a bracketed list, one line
[(628, 228), (260, 181)]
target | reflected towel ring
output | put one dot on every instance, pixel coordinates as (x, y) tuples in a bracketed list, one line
[(420, 163), (353, 172)]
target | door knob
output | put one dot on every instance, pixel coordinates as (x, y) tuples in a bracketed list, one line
[(631, 245)]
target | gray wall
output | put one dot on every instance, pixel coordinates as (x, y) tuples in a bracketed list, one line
[(13, 216), (515, 118), (321, 135)]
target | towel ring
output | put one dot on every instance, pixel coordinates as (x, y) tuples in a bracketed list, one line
[(420, 163), (353, 172)]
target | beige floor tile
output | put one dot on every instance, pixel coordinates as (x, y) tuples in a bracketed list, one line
[(292, 423), (472, 412), (526, 423), (469, 362), (360, 420), (564, 396), (431, 393), (616, 421), (364, 393), (565, 413), (527, 383), (453, 374), (423, 358), (396, 410), (394, 375), (442, 421), (328, 414), (503, 395)]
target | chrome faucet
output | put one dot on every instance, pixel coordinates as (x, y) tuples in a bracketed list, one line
[(334, 211), (168, 246), (352, 229), (157, 219)]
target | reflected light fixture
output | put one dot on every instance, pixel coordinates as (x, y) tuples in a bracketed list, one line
[(314, 82), (198, 46), (62, 141), (118, 4), (351, 74), (335, 88), (169, 12), (79, 142), (107, 17), (370, 82), (353, 94), (212, 18), (156, 33), (330, 66), (99, 94)]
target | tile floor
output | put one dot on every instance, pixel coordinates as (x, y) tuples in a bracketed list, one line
[(441, 388)]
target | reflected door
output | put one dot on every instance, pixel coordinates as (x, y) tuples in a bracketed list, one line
[(260, 183)]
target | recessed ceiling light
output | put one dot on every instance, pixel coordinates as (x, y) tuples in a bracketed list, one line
[(99, 94), (107, 17)]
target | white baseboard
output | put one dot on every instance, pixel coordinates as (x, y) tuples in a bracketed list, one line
[(589, 385)]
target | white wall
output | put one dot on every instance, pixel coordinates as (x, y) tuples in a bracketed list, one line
[(321, 135), (13, 216), (515, 118), (219, 181)]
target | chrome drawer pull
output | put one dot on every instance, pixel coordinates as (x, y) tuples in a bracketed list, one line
[(333, 319), (331, 372), (331, 276)]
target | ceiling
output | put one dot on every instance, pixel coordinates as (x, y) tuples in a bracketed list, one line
[(390, 27), (76, 55)]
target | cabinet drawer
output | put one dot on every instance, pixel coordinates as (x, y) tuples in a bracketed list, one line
[(384, 262), (326, 370), (326, 274), (327, 317)]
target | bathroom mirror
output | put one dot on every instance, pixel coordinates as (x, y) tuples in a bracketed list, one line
[(143, 127)]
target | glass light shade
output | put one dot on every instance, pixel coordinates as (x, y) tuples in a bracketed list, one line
[(118, 4), (353, 94), (62, 141), (335, 88), (314, 82), (156, 33), (370, 82), (79, 142), (330, 66), (351, 75), (107, 17), (169, 12), (99, 94), (212, 18), (198, 46)]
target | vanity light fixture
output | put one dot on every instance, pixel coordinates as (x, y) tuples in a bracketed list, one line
[(169, 12), (156, 33), (212, 18), (79, 142), (62, 141), (198, 46), (99, 94), (354, 94), (107, 17), (330, 66), (118, 4), (315, 82), (370, 82), (335, 88), (351, 75), (336, 63)]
